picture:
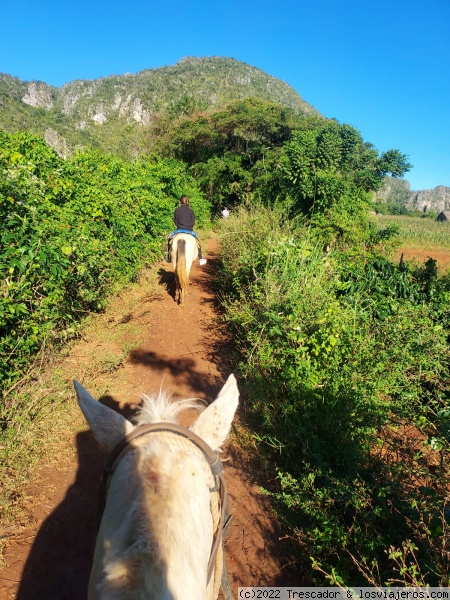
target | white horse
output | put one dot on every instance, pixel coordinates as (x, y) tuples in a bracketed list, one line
[(161, 513), (184, 252)]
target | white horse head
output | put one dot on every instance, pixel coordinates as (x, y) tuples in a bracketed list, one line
[(158, 523), (184, 252)]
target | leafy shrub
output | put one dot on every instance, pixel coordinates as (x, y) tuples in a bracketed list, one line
[(69, 232), (339, 356)]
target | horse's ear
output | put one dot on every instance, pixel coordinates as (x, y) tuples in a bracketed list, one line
[(107, 425), (214, 422)]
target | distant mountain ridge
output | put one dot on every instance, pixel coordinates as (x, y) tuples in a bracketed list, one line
[(437, 199), (113, 112), (99, 112), (398, 191)]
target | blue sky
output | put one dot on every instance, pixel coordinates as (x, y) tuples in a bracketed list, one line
[(383, 67)]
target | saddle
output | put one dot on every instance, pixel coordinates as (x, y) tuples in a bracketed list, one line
[(173, 235)]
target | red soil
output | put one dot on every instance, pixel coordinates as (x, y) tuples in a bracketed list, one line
[(441, 255)]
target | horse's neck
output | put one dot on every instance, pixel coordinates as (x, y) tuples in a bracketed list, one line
[(161, 547)]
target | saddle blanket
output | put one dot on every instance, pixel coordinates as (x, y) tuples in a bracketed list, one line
[(174, 233)]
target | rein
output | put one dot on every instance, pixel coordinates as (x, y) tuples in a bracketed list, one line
[(212, 458)]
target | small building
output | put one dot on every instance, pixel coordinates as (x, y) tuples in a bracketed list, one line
[(444, 216)]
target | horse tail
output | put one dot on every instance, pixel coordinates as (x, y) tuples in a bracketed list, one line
[(181, 271)]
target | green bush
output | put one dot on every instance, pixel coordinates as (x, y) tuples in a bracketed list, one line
[(69, 232), (337, 357)]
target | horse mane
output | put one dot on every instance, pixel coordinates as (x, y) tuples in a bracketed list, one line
[(159, 409)]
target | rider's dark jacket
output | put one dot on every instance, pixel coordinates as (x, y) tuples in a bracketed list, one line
[(184, 217)]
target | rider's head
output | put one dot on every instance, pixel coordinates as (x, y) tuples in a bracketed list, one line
[(184, 200)]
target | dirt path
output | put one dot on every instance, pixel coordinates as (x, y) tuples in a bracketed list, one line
[(49, 553)]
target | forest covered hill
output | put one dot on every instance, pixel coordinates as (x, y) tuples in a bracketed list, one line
[(111, 113)]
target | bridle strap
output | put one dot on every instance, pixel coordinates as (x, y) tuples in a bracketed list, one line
[(218, 536), (212, 458)]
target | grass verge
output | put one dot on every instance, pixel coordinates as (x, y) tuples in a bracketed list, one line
[(41, 415)]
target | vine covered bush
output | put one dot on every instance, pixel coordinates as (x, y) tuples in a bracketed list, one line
[(70, 231)]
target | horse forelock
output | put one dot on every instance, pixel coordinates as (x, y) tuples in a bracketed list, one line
[(159, 409)]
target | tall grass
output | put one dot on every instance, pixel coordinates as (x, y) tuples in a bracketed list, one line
[(331, 374), (417, 231)]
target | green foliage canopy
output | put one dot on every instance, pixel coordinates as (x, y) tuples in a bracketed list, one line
[(253, 149), (330, 171), (233, 151)]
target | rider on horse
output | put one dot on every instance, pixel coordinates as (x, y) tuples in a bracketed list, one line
[(184, 219)]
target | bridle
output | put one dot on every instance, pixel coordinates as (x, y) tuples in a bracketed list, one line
[(216, 466)]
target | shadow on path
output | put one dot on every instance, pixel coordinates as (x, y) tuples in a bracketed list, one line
[(167, 279), (60, 560), (183, 370)]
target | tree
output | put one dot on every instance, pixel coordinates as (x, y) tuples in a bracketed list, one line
[(393, 163), (233, 151), (313, 156), (329, 171)]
